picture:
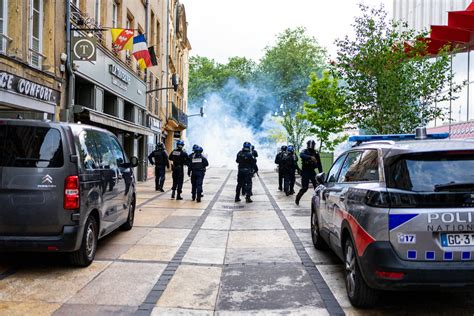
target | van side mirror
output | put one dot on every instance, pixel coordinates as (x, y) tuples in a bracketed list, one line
[(133, 161), (320, 177)]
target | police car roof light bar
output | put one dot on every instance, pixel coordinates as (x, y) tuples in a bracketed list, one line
[(394, 137)]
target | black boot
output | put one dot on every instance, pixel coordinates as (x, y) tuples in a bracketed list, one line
[(172, 194), (248, 199), (198, 199), (178, 197), (298, 197), (193, 198), (237, 198)]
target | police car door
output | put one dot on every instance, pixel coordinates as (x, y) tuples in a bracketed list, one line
[(325, 214), (336, 199)]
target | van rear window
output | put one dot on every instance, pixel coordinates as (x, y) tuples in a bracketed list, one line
[(30, 147)]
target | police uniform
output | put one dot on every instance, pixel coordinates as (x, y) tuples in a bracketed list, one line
[(310, 160), (197, 171), (159, 158), (288, 166), (179, 157), (280, 170), (247, 165)]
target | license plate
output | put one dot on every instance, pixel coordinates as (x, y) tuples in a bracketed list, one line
[(457, 240)]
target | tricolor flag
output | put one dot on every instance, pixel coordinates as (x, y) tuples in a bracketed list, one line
[(140, 52), (122, 39)]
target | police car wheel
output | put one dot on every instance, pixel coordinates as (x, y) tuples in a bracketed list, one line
[(318, 241), (360, 295)]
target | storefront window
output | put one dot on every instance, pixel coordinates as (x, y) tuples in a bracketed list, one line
[(3, 25), (36, 32)]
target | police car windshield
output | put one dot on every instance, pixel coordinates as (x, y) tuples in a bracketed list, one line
[(432, 172)]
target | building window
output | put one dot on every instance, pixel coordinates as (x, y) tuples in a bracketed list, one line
[(75, 3), (3, 25), (115, 14), (36, 32), (158, 44)]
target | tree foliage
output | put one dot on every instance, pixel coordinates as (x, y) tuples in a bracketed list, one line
[(328, 114), (391, 89), (286, 67)]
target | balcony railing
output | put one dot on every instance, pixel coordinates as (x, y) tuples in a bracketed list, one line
[(179, 116)]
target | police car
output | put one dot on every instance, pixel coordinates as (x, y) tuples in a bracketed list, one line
[(399, 211)]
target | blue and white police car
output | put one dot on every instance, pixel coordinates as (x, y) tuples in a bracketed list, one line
[(399, 211)]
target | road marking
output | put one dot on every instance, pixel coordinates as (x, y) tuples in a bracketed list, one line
[(329, 301), (158, 289)]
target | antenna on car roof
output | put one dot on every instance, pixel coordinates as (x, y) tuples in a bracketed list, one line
[(420, 133)]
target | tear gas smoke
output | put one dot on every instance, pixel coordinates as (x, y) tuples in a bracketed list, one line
[(233, 116)]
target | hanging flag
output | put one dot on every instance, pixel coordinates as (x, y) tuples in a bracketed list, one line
[(140, 52), (153, 59), (122, 39)]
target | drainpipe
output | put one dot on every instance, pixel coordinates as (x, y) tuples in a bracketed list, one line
[(146, 31), (70, 73)]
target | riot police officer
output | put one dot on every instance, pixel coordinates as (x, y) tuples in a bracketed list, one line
[(280, 172), (310, 160), (288, 165), (197, 171), (180, 158), (247, 165), (159, 159)]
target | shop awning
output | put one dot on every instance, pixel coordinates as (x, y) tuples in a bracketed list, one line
[(458, 34), (112, 121)]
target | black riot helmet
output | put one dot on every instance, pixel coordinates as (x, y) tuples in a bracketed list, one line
[(311, 144), (247, 146), (284, 148), (159, 146)]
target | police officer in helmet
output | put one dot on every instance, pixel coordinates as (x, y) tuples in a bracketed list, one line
[(246, 165), (180, 158), (159, 159), (197, 171), (280, 170), (310, 160)]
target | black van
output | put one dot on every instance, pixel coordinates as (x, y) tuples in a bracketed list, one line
[(62, 187)]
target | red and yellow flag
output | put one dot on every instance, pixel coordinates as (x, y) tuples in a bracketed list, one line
[(122, 39)]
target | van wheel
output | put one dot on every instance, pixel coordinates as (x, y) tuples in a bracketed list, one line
[(318, 241), (359, 293), (86, 253), (131, 216)]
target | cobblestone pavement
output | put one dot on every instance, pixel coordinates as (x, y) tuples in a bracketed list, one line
[(213, 258)]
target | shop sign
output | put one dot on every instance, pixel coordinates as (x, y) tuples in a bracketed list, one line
[(26, 87), (177, 134), (154, 124), (84, 48)]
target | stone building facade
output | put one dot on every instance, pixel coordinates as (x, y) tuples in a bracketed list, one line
[(111, 92)]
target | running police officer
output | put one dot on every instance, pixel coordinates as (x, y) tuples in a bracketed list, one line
[(247, 166), (197, 171), (180, 158), (310, 160), (159, 159), (278, 161)]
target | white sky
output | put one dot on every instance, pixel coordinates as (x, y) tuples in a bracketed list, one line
[(220, 29)]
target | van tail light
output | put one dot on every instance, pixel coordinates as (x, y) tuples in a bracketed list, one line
[(71, 193), (390, 275)]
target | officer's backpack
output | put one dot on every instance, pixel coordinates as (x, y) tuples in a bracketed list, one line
[(286, 160)]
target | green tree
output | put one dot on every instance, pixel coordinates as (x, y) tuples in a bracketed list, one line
[(391, 89), (286, 67), (328, 114)]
